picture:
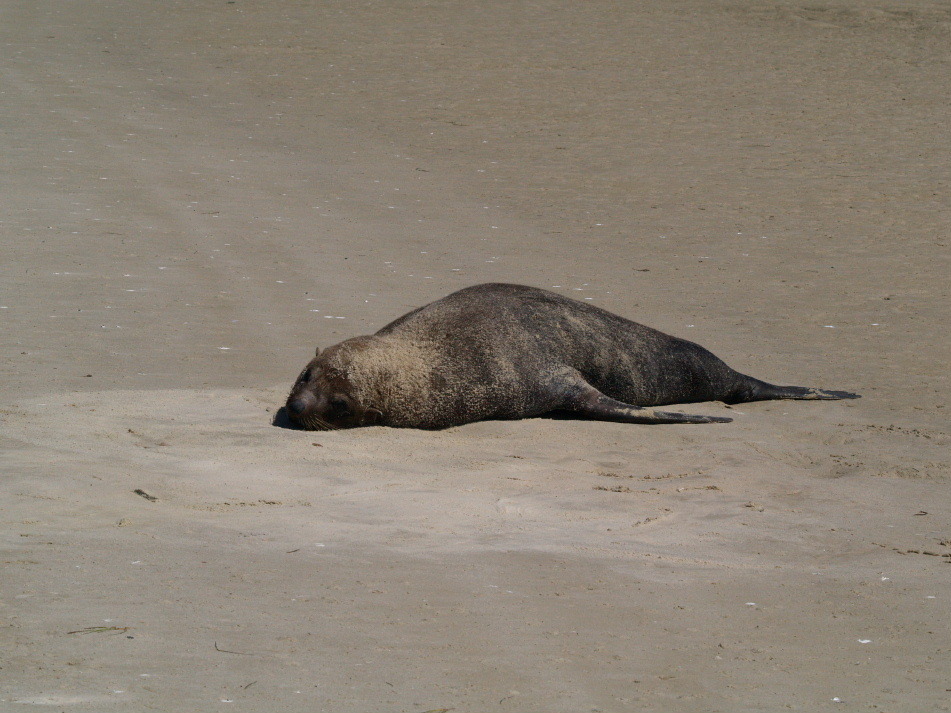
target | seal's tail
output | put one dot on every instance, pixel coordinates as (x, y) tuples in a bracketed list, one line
[(756, 390)]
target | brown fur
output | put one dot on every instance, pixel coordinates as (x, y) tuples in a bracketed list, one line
[(510, 351)]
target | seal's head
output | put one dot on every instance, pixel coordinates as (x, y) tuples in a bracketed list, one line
[(323, 398)]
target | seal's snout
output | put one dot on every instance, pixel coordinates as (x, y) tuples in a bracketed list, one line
[(300, 405)]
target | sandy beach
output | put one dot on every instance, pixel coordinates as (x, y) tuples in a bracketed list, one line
[(195, 196)]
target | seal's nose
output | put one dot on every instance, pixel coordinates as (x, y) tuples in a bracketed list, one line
[(299, 405)]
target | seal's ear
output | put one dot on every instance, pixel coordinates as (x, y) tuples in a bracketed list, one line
[(317, 353)]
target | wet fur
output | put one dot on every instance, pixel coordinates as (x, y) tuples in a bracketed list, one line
[(499, 351)]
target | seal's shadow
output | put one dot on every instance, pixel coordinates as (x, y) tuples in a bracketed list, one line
[(282, 420)]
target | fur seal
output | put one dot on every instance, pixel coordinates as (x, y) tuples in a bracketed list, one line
[(500, 351)]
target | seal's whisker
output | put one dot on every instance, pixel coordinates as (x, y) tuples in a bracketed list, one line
[(322, 425)]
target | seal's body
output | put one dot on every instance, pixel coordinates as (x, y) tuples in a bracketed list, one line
[(500, 351)]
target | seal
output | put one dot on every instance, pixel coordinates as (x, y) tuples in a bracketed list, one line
[(501, 351)]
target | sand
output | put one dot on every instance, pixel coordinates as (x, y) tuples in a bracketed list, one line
[(196, 195)]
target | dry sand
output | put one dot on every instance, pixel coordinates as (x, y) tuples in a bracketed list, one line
[(196, 194)]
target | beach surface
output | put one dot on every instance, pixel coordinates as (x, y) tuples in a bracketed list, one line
[(196, 195)]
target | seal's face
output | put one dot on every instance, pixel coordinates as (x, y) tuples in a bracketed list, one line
[(322, 400)]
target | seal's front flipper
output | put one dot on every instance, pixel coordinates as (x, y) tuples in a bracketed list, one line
[(586, 401)]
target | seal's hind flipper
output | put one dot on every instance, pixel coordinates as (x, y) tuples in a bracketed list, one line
[(756, 390), (587, 402), (809, 393)]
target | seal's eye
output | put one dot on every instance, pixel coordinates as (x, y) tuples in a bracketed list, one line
[(338, 404), (305, 376)]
